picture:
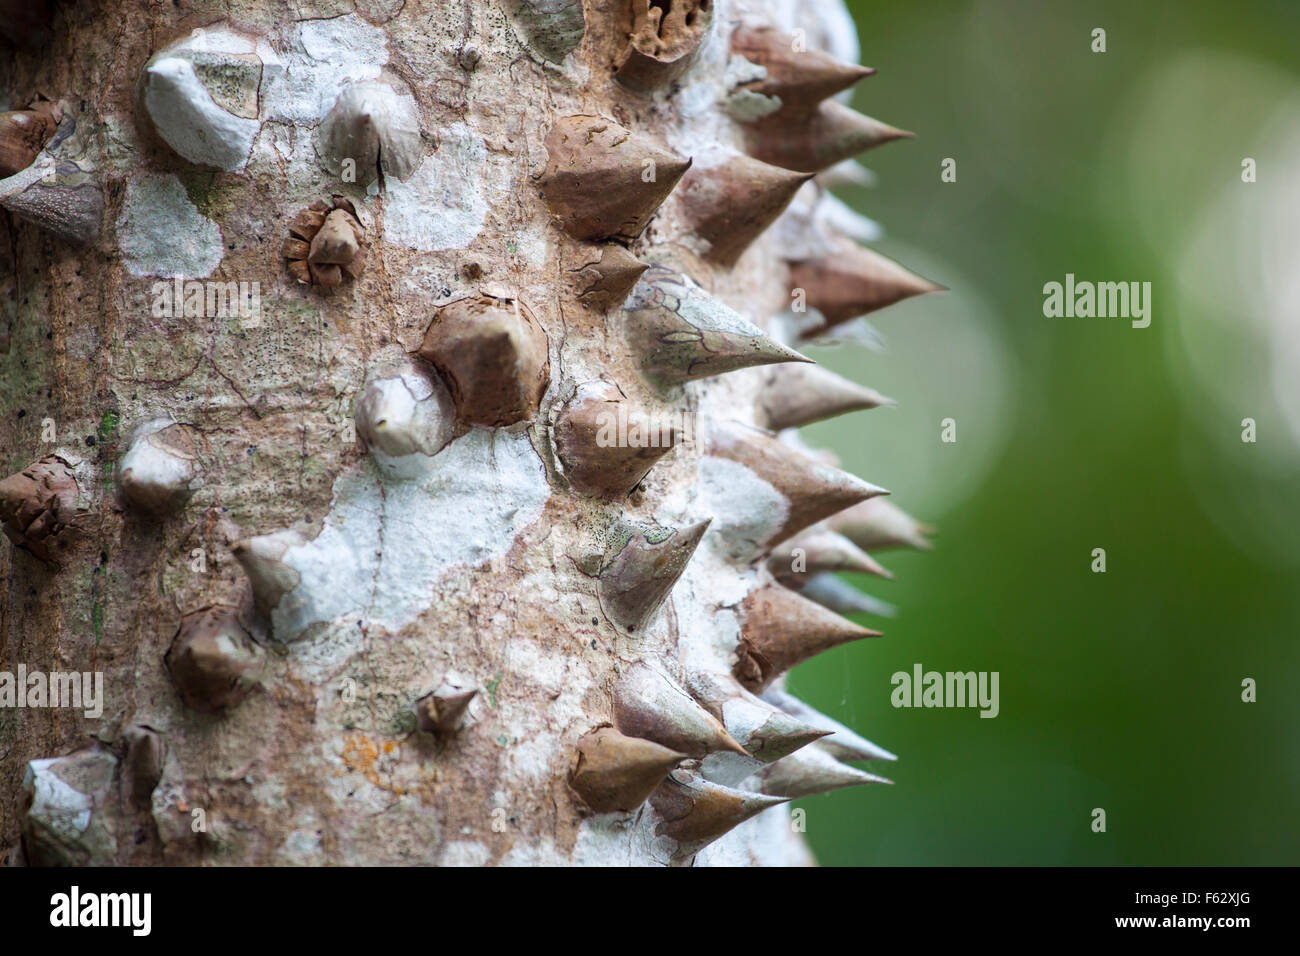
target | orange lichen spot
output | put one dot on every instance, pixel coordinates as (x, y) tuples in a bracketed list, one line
[(360, 754)]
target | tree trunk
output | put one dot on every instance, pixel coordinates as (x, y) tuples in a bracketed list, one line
[(382, 434)]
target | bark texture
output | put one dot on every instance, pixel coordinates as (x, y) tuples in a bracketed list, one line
[(350, 603)]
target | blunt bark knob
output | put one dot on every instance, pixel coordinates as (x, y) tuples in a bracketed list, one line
[(39, 508), (665, 38), (375, 127), (202, 94), (158, 471), (326, 244), (405, 410), (213, 661), (61, 191), (143, 765), (493, 355), (69, 817), (272, 579)]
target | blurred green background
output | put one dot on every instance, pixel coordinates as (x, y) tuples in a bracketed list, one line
[(1119, 690)]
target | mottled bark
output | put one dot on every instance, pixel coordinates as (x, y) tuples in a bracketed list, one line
[(411, 559)]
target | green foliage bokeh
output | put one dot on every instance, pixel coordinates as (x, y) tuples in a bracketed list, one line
[(1119, 690)]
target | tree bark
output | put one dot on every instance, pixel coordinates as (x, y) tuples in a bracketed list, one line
[(363, 583)]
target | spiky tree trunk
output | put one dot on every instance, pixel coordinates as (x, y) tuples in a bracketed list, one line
[(461, 545)]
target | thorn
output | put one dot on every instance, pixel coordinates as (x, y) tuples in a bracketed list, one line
[(373, 125), (606, 446), (157, 472), (812, 490), (603, 181), (39, 508), (213, 661), (62, 191), (781, 629), (766, 732), (605, 275), (797, 395), (614, 773), (678, 333), (853, 282), (696, 812), (800, 79), (876, 525), (441, 711), (812, 771), (664, 41), (650, 705), (842, 743), (643, 563), (731, 204), (23, 134), (812, 142), (262, 558), (843, 598), (822, 550), (494, 357)]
